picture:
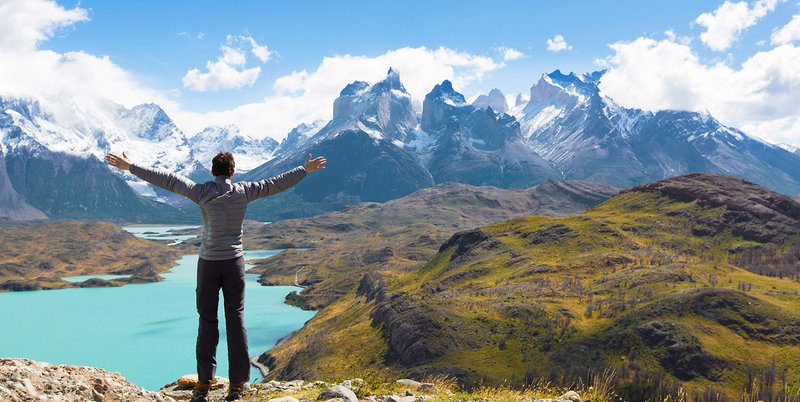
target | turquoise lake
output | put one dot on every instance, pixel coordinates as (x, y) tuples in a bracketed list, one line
[(146, 332)]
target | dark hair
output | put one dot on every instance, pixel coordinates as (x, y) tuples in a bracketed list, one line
[(223, 164)]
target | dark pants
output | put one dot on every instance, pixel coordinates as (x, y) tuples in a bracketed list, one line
[(211, 276)]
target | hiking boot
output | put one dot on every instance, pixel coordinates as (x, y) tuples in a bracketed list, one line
[(235, 392), (200, 393)]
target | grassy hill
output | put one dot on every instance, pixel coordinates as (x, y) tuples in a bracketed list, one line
[(36, 256), (399, 235), (686, 286)]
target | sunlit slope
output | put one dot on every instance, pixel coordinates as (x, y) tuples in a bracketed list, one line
[(668, 278)]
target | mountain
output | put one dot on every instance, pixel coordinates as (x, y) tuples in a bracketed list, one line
[(249, 152), (685, 286), (476, 146), (495, 100), (379, 149), (587, 136), (363, 144), (12, 204), (53, 160), (299, 135)]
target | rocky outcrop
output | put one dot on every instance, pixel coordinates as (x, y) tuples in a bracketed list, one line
[(409, 329), (28, 380), (466, 240)]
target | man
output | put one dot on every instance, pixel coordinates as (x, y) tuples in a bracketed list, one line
[(221, 263)]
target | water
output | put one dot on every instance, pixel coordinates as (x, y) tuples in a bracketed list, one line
[(146, 332), (161, 232)]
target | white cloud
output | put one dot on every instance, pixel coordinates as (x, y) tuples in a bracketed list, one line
[(557, 44), (656, 75), (509, 53), (728, 21), (305, 96), (199, 36), (261, 52), (25, 23), (67, 83), (228, 71), (788, 33)]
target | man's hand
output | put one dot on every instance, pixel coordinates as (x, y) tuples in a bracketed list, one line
[(312, 165), (123, 162)]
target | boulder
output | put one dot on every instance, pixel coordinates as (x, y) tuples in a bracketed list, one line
[(284, 399), (409, 383), (571, 396), (428, 388), (338, 391)]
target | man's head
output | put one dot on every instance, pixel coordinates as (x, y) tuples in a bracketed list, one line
[(222, 164)]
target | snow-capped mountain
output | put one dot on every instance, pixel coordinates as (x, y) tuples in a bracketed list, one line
[(249, 152), (587, 136), (42, 142), (494, 99), (476, 145), (299, 135)]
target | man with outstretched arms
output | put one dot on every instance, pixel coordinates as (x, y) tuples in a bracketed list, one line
[(221, 263)]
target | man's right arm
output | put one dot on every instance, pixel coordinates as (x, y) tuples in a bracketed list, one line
[(169, 181)]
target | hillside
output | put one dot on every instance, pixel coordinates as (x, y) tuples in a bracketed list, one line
[(686, 285), (399, 235), (36, 256)]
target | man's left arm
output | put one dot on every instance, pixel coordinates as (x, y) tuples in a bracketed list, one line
[(282, 182)]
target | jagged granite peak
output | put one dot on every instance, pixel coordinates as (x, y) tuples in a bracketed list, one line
[(384, 109), (495, 99), (391, 82)]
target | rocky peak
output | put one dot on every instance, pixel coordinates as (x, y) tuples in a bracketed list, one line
[(442, 103), (384, 108), (495, 99), (391, 82)]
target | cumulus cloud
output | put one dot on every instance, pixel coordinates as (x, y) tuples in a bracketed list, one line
[(557, 44), (725, 24), (305, 96), (509, 53), (23, 24), (69, 83), (788, 33), (228, 71), (656, 75)]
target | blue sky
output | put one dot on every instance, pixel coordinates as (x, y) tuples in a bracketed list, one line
[(310, 49)]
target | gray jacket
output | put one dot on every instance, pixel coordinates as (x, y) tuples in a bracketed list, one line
[(222, 204)]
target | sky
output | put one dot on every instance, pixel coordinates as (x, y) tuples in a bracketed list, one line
[(268, 66)]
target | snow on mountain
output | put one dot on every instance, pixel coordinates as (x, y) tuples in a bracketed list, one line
[(588, 136), (299, 135), (495, 99), (248, 152)]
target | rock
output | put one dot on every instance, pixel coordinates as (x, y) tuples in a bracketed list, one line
[(26, 380), (188, 381), (392, 398), (284, 399), (571, 396), (409, 383), (294, 384), (409, 392), (338, 391), (409, 399), (428, 388), (347, 384)]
